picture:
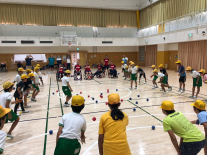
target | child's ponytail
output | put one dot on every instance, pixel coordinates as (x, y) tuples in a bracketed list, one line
[(116, 114)]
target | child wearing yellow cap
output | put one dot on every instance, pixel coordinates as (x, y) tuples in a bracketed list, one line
[(66, 87), (72, 127), (141, 73), (182, 74), (40, 75), (163, 71), (18, 76), (191, 138), (5, 102), (35, 84), (126, 72), (134, 72), (199, 108), (19, 93), (204, 76), (3, 113), (123, 67), (197, 81), (154, 79), (112, 129)]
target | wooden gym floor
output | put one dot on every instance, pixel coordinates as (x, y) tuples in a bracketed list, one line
[(30, 136)]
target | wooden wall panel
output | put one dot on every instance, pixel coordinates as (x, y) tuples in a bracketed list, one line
[(172, 60)]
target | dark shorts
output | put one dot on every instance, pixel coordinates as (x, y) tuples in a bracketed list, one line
[(60, 74), (78, 72), (140, 75), (106, 67), (191, 148), (182, 79), (87, 71), (40, 78), (51, 66)]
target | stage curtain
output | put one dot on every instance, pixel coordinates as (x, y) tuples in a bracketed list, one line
[(151, 55), (65, 16)]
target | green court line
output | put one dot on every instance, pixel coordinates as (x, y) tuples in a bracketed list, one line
[(97, 81), (144, 111), (60, 99), (45, 142)]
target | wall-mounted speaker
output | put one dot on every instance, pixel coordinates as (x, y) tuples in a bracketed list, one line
[(27, 41), (46, 42), (107, 42), (8, 41)]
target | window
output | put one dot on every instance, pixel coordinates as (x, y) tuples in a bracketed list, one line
[(37, 57), (141, 54)]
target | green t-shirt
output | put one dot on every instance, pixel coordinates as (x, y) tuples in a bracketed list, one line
[(182, 127)]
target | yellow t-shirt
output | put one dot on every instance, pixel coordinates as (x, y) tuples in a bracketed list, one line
[(115, 138), (182, 127)]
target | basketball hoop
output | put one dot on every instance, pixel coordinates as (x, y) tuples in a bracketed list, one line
[(69, 45)]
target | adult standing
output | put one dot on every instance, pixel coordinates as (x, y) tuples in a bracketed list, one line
[(106, 64), (29, 59), (59, 60), (125, 59), (51, 62), (68, 58)]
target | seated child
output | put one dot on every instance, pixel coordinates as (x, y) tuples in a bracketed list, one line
[(88, 71), (99, 71)]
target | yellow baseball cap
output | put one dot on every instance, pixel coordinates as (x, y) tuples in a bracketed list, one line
[(167, 105), (77, 100), (161, 65), (4, 111), (113, 98), (202, 71), (188, 68), (36, 68), (24, 76), (7, 84), (153, 66), (130, 61), (38, 65), (31, 74), (137, 66), (199, 105), (178, 62), (21, 70), (155, 71), (67, 71), (28, 70), (126, 66), (122, 62)]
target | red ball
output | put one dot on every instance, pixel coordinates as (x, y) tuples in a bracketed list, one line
[(80, 92), (121, 100), (106, 103), (57, 91), (94, 118), (88, 95), (116, 56)]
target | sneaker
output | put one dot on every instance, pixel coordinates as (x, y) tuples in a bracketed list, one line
[(194, 97), (179, 89), (66, 105), (139, 83), (190, 96), (164, 93), (10, 136), (161, 89), (125, 79), (182, 91), (43, 85), (135, 88), (145, 83), (123, 76), (18, 114), (153, 87), (206, 100), (19, 109), (33, 99), (156, 87), (27, 106), (25, 111), (130, 88), (170, 89)]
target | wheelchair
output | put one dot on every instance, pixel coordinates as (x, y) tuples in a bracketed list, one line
[(112, 74), (78, 74), (86, 78), (58, 77)]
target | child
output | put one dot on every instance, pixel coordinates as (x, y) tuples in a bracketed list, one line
[(3, 113), (18, 76), (28, 71), (66, 87), (126, 72), (191, 138), (199, 108), (141, 73), (163, 80), (27, 87), (40, 75), (19, 93), (5, 101), (123, 66), (35, 84), (112, 129), (99, 71), (88, 71), (197, 81), (77, 70), (204, 76), (112, 69), (134, 72), (182, 75), (163, 71), (154, 79), (60, 71), (72, 128)]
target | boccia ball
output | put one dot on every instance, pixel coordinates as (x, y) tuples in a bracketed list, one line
[(88, 95), (116, 89), (137, 95), (147, 99), (153, 127), (94, 118), (53, 93), (134, 109), (121, 100), (96, 101), (130, 98), (14, 88), (56, 90), (50, 132), (101, 93), (106, 103), (136, 102)]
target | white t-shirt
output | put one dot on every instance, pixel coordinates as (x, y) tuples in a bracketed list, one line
[(65, 80), (133, 69), (40, 74), (160, 75), (73, 124), (17, 78), (68, 60), (123, 66), (3, 136), (36, 78), (59, 58), (4, 97), (195, 74)]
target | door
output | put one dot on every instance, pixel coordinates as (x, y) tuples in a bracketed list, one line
[(173, 57), (73, 59), (82, 58)]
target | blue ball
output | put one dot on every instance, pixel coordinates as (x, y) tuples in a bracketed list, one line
[(76, 94), (118, 73), (84, 100), (92, 98), (96, 101), (153, 127), (130, 98), (14, 88), (136, 102), (147, 99), (134, 109), (101, 93), (116, 89), (50, 132), (53, 93), (137, 95)]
